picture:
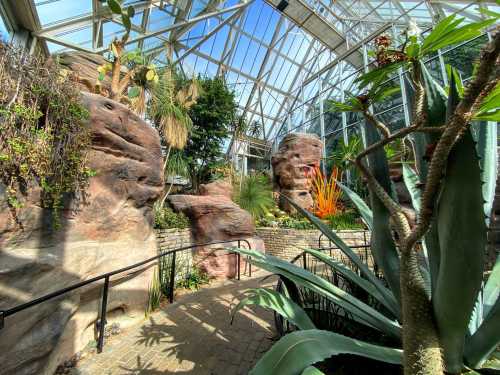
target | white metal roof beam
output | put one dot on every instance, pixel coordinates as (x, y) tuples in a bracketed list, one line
[(306, 17), (274, 41)]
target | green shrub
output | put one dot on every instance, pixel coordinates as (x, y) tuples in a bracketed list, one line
[(194, 279), (255, 195), (165, 218), (345, 220)]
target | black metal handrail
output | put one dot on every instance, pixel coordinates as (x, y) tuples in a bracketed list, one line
[(106, 276), (281, 324)]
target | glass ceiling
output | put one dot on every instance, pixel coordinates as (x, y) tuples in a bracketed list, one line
[(276, 67)]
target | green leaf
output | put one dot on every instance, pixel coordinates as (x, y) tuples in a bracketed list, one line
[(488, 157), (489, 12), (491, 292), (298, 350), (413, 50), (352, 276), (412, 182), (311, 370), (278, 302), (363, 209), (131, 12), (485, 340), (378, 75), (462, 239), (454, 75), (134, 92), (115, 6), (447, 33), (301, 277), (126, 22), (347, 251), (491, 102), (380, 92), (382, 242), (440, 30), (488, 116), (334, 106)]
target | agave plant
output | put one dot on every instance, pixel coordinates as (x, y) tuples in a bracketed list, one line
[(446, 316)]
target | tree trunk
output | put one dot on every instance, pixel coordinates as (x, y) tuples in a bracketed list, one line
[(422, 352)]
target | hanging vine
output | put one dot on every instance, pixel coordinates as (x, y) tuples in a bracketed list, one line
[(43, 138)]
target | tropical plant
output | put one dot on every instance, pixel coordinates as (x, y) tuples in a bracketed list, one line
[(345, 220), (255, 195), (446, 317), (165, 218), (326, 192), (212, 116), (132, 75), (342, 156), (194, 279), (171, 100), (44, 137)]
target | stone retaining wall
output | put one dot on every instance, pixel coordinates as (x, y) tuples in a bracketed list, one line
[(170, 239), (288, 243)]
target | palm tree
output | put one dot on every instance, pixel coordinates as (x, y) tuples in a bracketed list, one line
[(171, 100)]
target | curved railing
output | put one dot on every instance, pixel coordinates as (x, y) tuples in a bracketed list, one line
[(106, 276)]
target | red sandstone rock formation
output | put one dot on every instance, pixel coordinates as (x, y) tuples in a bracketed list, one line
[(219, 187), (217, 218), (110, 229), (297, 156)]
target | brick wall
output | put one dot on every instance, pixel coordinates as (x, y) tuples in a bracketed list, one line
[(288, 243), (170, 239)]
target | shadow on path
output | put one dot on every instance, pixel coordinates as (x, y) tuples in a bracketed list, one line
[(192, 336)]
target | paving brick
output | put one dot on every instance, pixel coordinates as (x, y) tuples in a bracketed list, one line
[(191, 336)]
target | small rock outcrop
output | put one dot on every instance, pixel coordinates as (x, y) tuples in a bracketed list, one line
[(111, 227), (297, 156), (215, 217), (219, 187)]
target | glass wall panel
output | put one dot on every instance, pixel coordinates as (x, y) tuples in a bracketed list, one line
[(464, 56), (4, 33)]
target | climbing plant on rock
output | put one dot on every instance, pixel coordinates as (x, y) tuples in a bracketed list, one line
[(43, 138)]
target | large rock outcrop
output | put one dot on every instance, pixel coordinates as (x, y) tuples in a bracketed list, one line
[(110, 228), (215, 217), (297, 156)]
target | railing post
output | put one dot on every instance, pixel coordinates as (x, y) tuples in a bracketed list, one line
[(1, 319), (304, 260), (249, 267), (238, 260), (172, 278), (102, 320)]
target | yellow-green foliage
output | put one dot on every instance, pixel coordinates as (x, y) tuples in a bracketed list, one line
[(43, 139)]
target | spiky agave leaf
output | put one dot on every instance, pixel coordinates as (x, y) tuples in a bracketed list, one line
[(296, 351), (462, 240), (304, 278), (382, 242), (327, 231), (273, 300)]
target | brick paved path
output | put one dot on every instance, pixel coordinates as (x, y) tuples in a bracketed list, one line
[(191, 336)]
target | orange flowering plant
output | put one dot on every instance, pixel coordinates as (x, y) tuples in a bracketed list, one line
[(326, 192)]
